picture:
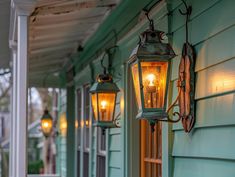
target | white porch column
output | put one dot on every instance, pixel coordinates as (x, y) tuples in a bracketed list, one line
[(13, 113), (20, 10), (21, 96)]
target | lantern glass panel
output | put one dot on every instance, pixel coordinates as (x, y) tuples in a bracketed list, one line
[(154, 76), (94, 102), (136, 81), (106, 103), (46, 125)]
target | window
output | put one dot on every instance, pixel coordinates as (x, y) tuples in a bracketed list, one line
[(79, 112), (101, 153), (151, 150), (87, 124)]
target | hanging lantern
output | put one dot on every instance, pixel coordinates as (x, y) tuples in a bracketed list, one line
[(150, 66), (103, 97), (46, 123)]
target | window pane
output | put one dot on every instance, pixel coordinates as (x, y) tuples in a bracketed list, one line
[(100, 166), (101, 148), (86, 164), (151, 149)]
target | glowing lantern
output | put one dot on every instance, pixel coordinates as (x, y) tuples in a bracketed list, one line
[(103, 95), (150, 72), (46, 123)]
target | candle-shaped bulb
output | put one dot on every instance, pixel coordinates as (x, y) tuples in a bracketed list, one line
[(103, 105), (45, 124), (151, 78)]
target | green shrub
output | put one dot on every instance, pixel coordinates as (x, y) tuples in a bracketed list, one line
[(34, 167)]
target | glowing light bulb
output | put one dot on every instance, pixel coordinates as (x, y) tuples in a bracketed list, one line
[(103, 104), (87, 122), (45, 124), (151, 78)]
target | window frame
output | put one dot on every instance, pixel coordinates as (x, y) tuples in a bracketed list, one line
[(86, 129)]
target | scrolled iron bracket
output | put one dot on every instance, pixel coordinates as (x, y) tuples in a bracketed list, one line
[(116, 120), (186, 83)]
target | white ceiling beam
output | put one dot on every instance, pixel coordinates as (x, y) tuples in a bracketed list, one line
[(41, 71), (75, 6), (64, 29), (57, 35), (43, 62), (78, 17), (53, 49), (45, 67), (45, 44), (49, 53), (49, 3), (67, 24), (55, 39)]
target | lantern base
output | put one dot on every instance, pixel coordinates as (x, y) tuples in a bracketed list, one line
[(152, 116), (105, 125)]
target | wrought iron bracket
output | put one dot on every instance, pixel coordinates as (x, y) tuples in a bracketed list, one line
[(186, 83)]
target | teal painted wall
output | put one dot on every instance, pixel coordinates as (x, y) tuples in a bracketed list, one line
[(208, 151)]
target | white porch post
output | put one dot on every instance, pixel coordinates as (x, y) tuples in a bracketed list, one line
[(21, 96), (20, 10), (13, 114)]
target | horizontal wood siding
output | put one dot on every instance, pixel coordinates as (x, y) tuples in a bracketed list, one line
[(114, 148), (208, 151)]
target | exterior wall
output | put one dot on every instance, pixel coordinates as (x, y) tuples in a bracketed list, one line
[(117, 165), (208, 150)]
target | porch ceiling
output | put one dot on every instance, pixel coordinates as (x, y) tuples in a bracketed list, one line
[(56, 29)]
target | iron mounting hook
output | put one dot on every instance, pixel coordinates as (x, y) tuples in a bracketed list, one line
[(186, 13), (151, 23), (109, 53)]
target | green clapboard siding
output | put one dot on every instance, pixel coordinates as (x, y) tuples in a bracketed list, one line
[(208, 151), (114, 172), (185, 167), (216, 80), (214, 143), (222, 115)]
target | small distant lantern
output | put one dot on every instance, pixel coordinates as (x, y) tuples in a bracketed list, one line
[(103, 97), (46, 123), (150, 72), (63, 124)]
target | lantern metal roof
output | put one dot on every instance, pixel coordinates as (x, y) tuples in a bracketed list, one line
[(151, 45), (104, 85)]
